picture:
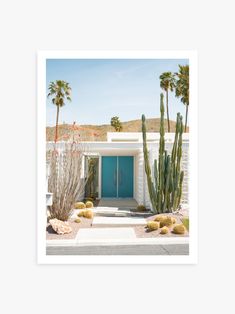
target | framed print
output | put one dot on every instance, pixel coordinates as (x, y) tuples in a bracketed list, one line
[(117, 157)]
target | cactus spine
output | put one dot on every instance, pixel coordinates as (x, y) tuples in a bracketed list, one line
[(165, 189)]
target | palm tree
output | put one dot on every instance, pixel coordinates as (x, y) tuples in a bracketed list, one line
[(182, 88), (61, 92), (167, 82)]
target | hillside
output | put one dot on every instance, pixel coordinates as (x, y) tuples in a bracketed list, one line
[(99, 132)]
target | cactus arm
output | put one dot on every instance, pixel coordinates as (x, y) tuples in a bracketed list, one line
[(161, 156), (180, 188), (152, 192), (166, 190), (156, 174)]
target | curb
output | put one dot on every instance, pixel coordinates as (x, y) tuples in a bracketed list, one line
[(103, 242)]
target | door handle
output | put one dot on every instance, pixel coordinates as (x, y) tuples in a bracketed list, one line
[(120, 177)]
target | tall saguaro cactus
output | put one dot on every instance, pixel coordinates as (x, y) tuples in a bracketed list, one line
[(165, 185)]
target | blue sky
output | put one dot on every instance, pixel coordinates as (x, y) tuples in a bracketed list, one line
[(105, 88)]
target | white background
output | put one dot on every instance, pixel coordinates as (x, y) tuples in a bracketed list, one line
[(29, 26)]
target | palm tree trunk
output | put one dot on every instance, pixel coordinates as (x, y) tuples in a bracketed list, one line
[(186, 119), (57, 120), (167, 110)]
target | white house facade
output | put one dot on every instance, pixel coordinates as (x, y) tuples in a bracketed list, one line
[(120, 164)]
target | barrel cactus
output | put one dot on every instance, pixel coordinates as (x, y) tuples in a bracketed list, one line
[(89, 204), (88, 214), (141, 208), (160, 218), (166, 222), (166, 179), (152, 225), (164, 230), (79, 205), (179, 229)]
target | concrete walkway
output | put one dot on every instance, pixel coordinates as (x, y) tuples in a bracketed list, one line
[(118, 221), (103, 234)]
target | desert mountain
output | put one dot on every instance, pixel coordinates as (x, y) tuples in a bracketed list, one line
[(99, 132)]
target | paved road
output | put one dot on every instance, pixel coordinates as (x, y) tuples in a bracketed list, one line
[(169, 249)]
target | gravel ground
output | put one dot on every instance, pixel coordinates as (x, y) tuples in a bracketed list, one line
[(142, 232), (52, 235), (85, 223)]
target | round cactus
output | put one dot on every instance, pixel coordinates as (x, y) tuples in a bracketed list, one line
[(89, 204), (90, 199), (88, 214), (141, 207), (78, 220), (79, 205), (81, 213), (179, 229), (152, 225), (164, 230), (166, 222)]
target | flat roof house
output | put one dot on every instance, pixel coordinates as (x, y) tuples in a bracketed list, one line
[(119, 164)]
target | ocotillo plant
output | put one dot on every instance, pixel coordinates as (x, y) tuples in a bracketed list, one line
[(165, 186)]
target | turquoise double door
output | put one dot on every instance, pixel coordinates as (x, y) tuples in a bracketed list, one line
[(117, 176)]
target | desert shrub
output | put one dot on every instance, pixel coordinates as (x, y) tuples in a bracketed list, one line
[(141, 208), (152, 225), (79, 205), (179, 229), (64, 179), (185, 222), (166, 222), (164, 230), (89, 204), (78, 220)]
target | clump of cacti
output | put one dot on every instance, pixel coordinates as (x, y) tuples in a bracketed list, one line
[(141, 207), (78, 220), (152, 225), (79, 205), (89, 204), (164, 230), (86, 214), (165, 185), (160, 218), (179, 229)]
